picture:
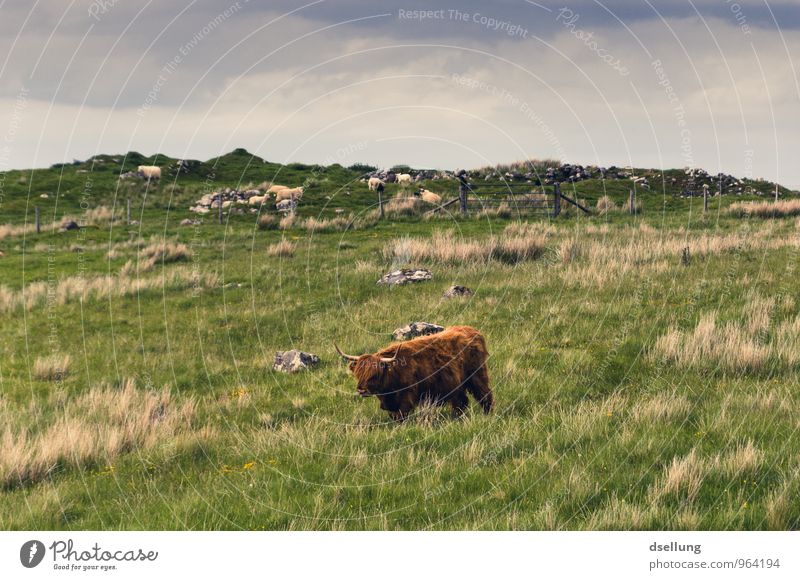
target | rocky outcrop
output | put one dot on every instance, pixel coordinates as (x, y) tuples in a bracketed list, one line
[(416, 329), (406, 276), (293, 361)]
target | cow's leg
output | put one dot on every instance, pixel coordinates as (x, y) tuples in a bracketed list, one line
[(459, 402), (478, 386)]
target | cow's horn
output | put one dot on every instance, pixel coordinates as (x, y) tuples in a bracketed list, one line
[(390, 360), (347, 356)]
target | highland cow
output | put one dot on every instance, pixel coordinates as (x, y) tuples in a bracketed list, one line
[(440, 368)]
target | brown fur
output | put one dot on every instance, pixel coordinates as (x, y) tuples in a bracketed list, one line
[(441, 367)]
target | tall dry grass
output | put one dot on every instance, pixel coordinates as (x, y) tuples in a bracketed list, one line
[(73, 288), (54, 367), (267, 222), (92, 428), (336, 224), (518, 243), (766, 209), (163, 252), (99, 215), (11, 230), (632, 250), (605, 205), (284, 248), (759, 343)]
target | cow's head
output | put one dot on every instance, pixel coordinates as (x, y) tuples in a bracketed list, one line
[(370, 371)]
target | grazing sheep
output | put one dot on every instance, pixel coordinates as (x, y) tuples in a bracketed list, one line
[(374, 182), (430, 197), (277, 188), (149, 171), (404, 178), (257, 199), (294, 193)]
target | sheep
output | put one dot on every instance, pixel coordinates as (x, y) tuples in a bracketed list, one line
[(374, 182), (294, 193), (404, 178), (257, 199), (149, 171), (430, 197), (277, 188)]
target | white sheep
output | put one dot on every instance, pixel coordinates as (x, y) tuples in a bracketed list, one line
[(374, 182), (430, 197), (277, 188), (294, 193), (257, 199), (149, 171), (404, 178)]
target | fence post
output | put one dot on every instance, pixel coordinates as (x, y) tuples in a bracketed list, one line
[(631, 202), (380, 199), (556, 199), (38, 223), (219, 204), (128, 212), (463, 188), (705, 198), (776, 192)]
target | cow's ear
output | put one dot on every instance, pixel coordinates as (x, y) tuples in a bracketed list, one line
[(352, 365)]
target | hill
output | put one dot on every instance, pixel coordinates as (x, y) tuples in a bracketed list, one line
[(105, 180)]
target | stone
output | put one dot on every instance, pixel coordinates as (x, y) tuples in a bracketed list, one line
[(286, 205), (190, 222), (292, 361), (406, 276), (416, 329), (457, 292)]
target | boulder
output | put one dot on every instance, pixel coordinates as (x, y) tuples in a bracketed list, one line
[(190, 222), (457, 292), (406, 276), (292, 361), (286, 205), (415, 329)]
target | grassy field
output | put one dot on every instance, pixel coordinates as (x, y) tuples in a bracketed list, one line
[(638, 385)]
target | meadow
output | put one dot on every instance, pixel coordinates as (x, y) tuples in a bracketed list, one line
[(638, 384)]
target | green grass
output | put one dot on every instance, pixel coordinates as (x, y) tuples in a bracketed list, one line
[(595, 428)]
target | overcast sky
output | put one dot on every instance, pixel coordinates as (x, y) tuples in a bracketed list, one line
[(653, 83)]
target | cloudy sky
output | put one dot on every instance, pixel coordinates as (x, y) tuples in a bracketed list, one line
[(654, 83)]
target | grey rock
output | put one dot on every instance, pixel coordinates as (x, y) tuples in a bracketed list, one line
[(292, 361), (416, 329), (286, 205), (190, 222), (406, 276), (457, 292)]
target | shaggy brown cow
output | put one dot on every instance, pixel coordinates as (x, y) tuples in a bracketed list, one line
[(441, 368)]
